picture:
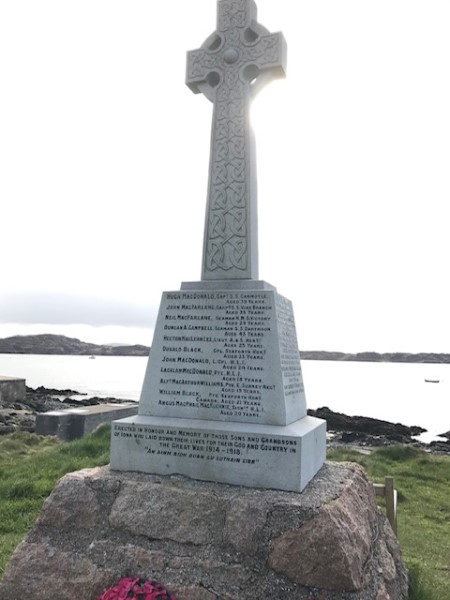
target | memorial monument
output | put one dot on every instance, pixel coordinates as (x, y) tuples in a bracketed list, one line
[(223, 397), (222, 402)]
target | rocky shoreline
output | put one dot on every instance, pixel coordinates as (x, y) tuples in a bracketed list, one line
[(343, 430), (366, 432)]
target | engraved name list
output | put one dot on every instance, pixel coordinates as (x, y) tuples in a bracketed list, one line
[(215, 359)]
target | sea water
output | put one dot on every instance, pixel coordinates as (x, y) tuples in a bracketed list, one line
[(395, 392), (105, 376)]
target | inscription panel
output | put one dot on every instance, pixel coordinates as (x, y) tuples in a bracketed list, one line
[(255, 455), (224, 355), (294, 391), (216, 446)]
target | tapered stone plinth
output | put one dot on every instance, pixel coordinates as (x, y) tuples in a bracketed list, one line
[(223, 397)]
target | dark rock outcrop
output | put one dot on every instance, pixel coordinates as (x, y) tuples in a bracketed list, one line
[(43, 391), (339, 422), (366, 431)]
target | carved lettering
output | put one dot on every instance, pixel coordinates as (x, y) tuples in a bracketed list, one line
[(206, 446)]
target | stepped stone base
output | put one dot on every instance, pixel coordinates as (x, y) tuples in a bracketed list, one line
[(210, 541), (262, 456)]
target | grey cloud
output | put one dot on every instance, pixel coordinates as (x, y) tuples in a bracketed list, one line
[(60, 308)]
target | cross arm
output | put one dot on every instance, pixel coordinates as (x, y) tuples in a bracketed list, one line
[(201, 66), (268, 59), (197, 69)]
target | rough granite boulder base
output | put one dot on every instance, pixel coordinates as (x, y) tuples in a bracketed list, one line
[(209, 541)]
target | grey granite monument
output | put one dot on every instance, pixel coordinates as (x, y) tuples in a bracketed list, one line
[(223, 397), (222, 402)]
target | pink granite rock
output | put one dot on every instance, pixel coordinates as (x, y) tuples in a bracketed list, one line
[(208, 540), (333, 546)]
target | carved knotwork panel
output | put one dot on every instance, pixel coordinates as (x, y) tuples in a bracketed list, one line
[(224, 69)]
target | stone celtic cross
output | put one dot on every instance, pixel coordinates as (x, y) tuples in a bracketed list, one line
[(231, 65)]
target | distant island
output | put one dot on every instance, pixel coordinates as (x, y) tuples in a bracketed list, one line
[(399, 357), (60, 344)]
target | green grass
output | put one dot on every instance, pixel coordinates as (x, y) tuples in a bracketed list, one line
[(423, 513), (30, 465)]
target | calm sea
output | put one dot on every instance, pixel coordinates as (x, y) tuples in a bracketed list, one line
[(395, 392)]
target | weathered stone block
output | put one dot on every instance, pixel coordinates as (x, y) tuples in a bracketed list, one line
[(61, 512), (193, 593), (12, 389), (72, 423), (194, 516), (44, 572), (332, 546), (244, 524)]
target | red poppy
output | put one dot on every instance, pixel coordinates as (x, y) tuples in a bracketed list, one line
[(131, 588)]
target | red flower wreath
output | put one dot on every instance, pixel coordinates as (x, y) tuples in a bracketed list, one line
[(137, 589)]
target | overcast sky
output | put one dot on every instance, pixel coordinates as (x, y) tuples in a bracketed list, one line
[(104, 158)]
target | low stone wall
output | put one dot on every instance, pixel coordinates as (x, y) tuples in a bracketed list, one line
[(207, 541), (12, 389), (72, 423)]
